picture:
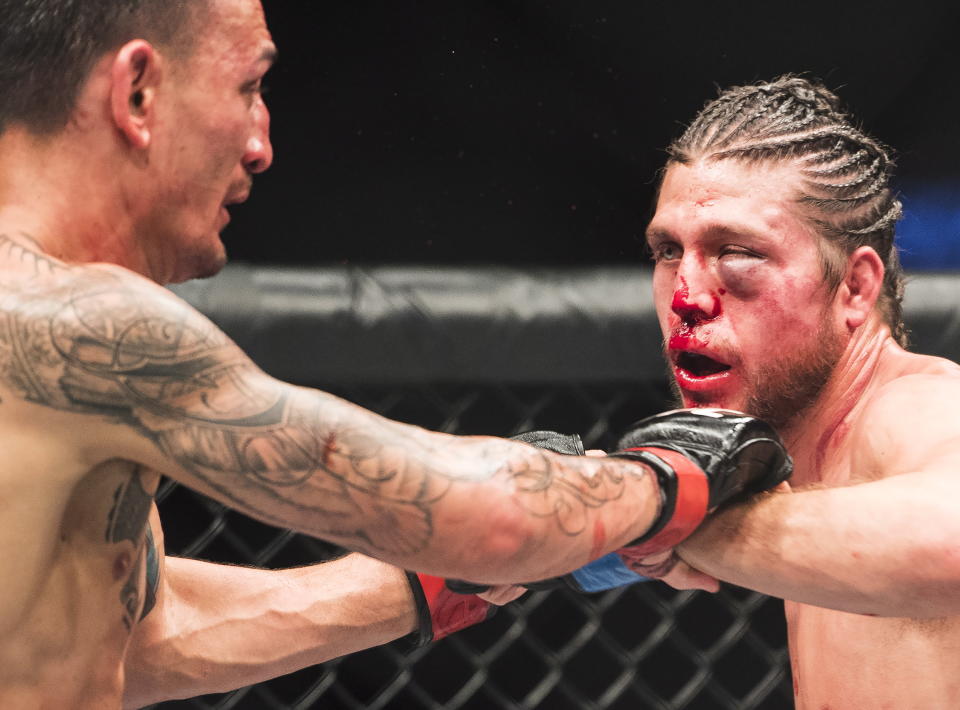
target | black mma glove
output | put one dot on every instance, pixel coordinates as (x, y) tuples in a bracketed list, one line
[(552, 441), (704, 459)]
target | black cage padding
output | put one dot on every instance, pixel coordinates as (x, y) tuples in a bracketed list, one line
[(498, 351), (493, 324)]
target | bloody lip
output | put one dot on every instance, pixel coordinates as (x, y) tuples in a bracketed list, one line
[(681, 342), (683, 339), (696, 383)]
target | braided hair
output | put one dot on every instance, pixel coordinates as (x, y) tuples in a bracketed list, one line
[(845, 174)]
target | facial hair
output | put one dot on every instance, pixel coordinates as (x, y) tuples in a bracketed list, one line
[(782, 392)]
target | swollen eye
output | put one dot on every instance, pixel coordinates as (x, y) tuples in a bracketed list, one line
[(744, 277)]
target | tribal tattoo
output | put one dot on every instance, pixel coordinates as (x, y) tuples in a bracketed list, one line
[(126, 523), (546, 492), (98, 340)]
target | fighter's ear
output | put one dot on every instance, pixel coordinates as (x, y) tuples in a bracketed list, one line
[(861, 285), (135, 79)]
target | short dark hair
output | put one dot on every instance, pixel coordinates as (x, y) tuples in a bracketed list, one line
[(49, 47), (844, 173)]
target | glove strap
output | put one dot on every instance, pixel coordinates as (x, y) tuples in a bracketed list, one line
[(686, 495), (607, 572), (440, 611)]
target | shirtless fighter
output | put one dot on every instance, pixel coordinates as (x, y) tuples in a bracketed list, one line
[(778, 290), (126, 129)]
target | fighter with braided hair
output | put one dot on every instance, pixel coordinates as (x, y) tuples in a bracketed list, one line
[(778, 290)]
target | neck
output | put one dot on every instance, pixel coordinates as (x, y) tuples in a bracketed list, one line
[(60, 192), (810, 436)]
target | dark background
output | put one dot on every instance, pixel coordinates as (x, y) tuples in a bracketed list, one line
[(530, 131)]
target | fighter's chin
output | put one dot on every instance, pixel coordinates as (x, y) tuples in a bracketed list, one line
[(203, 264), (699, 400)]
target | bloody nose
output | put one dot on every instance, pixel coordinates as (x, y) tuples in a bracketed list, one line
[(692, 309)]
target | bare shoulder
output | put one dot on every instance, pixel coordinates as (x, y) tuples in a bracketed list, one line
[(95, 339), (922, 384), (913, 417)]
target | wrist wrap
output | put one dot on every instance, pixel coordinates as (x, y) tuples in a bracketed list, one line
[(684, 494), (441, 611)]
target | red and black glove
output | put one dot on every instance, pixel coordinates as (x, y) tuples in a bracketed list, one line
[(704, 459), (441, 611), (446, 606)]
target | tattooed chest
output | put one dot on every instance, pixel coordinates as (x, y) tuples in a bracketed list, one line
[(106, 534), (135, 560)]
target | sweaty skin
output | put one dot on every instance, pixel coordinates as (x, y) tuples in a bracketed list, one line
[(108, 381), (865, 547), (137, 384)]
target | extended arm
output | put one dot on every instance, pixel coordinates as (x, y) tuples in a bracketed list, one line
[(129, 371), (888, 545), (216, 627)]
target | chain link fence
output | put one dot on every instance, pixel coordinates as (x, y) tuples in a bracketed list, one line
[(494, 351), (645, 646), (499, 351)]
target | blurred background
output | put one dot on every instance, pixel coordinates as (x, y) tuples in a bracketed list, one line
[(451, 236), (531, 131)]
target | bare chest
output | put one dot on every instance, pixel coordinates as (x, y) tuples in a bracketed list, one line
[(88, 571), (844, 661)]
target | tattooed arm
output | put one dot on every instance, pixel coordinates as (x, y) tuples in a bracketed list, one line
[(156, 383)]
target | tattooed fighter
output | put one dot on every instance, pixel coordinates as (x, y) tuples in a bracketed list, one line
[(778, 289), (127, 128)]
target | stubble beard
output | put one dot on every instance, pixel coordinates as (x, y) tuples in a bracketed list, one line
[(781, 393)]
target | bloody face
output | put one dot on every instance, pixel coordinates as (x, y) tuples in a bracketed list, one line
[(747, 319)]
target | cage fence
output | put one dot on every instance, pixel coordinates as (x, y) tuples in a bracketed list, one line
[(497, 351)]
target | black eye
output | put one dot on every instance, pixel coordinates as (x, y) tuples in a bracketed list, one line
[(739, 252)]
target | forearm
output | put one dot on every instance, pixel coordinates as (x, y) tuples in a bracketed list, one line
[(886, 548), (471, 507), (227, 627), (535, 514)]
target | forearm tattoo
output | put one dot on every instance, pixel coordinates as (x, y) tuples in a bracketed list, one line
[(568, 497), (92, 340)]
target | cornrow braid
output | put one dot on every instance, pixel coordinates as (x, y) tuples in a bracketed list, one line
[(845, 174)]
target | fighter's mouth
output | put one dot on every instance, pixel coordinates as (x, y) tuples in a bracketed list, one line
[(700, 365)]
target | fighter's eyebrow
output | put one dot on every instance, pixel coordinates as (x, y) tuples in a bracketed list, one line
[(270, 55), (737, 229), (656, 233)]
